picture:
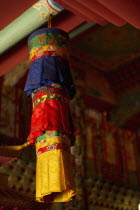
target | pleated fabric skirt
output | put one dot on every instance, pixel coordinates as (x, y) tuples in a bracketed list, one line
[(53, 133), (54, 178)]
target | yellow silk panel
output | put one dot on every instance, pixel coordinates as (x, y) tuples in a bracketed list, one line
[(54, 178)]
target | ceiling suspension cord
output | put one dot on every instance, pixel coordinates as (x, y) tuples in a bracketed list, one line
[(49, 21)]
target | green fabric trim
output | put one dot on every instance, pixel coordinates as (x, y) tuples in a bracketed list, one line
[(49, 134)]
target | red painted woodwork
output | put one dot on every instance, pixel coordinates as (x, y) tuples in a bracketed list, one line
[(13, 57), (82, 11), (10, 10), (102, 11), (127, 9)]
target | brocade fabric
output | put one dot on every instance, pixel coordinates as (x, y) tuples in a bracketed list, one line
[(51, 112), (54, 178), (51, 86), (49, 60)]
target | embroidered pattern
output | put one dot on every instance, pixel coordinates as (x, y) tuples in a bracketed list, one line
[(49, 97), (43, 89), (48, 50), (47, 39), (52, 140), (55, 146), (50, 44), (49, 93)]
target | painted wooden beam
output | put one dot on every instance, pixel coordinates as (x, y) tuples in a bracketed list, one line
[(29, 21)]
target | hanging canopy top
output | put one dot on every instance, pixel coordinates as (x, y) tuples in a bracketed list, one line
[(48, 42), (47, 31), (48, 49)]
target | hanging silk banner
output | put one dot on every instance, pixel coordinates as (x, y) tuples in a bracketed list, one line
[(51, 86)]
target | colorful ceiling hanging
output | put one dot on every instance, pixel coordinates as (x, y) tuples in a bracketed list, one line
[(50, 84), (103, 148), (98, 150)]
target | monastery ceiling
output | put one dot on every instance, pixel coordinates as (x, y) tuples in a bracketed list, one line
[(108, 46)]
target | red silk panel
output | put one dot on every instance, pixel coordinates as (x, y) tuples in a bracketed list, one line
[(52, 114)]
